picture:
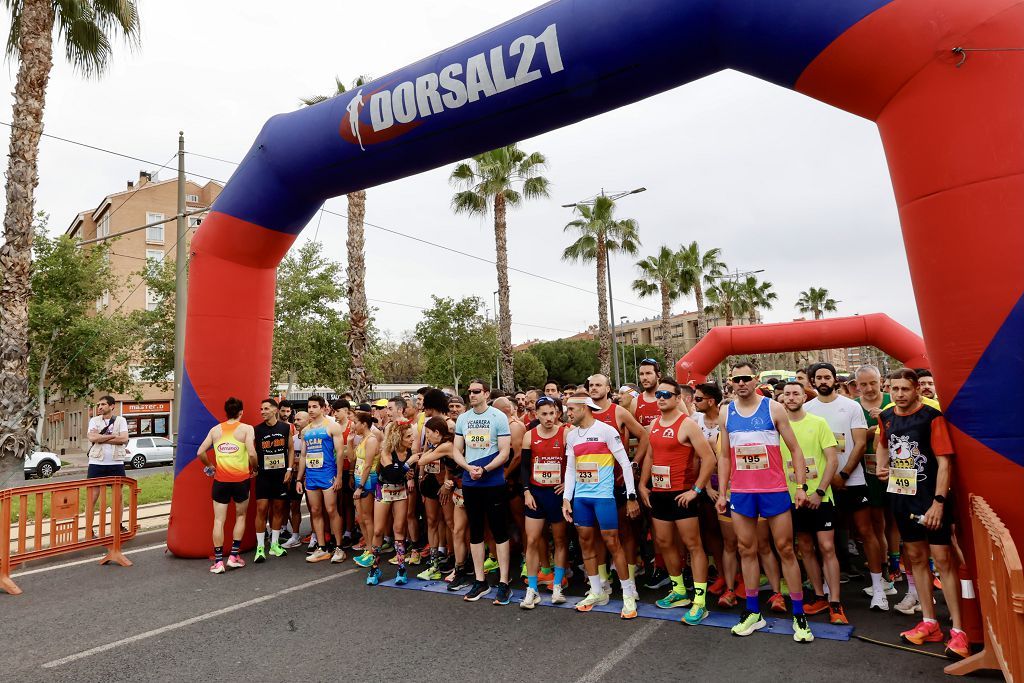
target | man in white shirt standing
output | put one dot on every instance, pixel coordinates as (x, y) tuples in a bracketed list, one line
[(108, 434)]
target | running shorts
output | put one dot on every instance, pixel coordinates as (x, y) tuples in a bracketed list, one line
[(912, 532), (596, 512), (224, 492), (808, 521), (754, 505), (430, 487), (876, 491), (664, 507), (852, 498), (486, 505), (270, 485), (549, 504)]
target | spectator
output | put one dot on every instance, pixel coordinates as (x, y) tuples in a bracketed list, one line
[(108, 434)]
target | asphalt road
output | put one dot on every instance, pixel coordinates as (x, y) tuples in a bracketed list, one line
[(167, 619)]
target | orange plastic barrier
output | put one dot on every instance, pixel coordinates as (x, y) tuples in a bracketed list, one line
[(1001, 592), (60, 531)]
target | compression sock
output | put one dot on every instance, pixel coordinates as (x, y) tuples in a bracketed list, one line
[(376, 556), (595, 584), (798, 602), (894, 563), (559, 576), (235, 546), (632, 571), (531, 581), (261, 538), (275, 536), (400, 554), (677, 584), (602, 571), (699, 593), (218, 553), (752, 603)]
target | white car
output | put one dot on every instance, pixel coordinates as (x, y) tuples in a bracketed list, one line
[(42, 464), (144, 450)]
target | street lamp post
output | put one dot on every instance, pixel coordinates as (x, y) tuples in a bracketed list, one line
[(497, 360), (622, 348)]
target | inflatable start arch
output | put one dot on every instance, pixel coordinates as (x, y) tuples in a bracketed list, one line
[(952, 135)]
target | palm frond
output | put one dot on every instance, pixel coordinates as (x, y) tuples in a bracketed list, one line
[(470, 202)]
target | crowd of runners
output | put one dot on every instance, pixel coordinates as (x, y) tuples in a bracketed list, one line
[(708, 494)]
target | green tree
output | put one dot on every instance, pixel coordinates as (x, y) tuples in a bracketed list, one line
[(77, 346), (659, 275), (360, 335), (725, 300), (817, 302), (309, 325), (488, 184), (600, 235), (85, 29), (459, 343), (400, 361), (530, 371), (756, 295), (698, 269), (156, 327), (571, 361)]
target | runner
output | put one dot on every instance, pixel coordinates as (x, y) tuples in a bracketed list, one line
[(914, 452), (645, 410), (403, 409), (435, 404), (815, 521), (750, 466), (455, 407), (234, 464), (926, 384), (367, 457), (551, 390), (346, 508), (676, 498), (514, 483), (321, 468), (482, 445), (592, 448), (716, 529), (543, 472), (394, 481), (275, 470), (295, 486)]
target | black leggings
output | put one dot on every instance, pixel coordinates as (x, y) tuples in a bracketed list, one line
[(486, 504)]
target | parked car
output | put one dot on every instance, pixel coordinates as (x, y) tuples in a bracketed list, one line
[(42, 464), (148, 450)]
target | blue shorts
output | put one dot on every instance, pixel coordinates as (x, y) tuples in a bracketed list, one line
[(596, 512), (320, 479), (96, 471), (549, 504), (359, 485), (754, 505)]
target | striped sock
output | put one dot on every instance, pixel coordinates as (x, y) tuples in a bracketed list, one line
[(235, 546), (218, 553)]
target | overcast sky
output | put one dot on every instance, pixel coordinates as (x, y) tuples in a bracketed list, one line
[(780, 182)]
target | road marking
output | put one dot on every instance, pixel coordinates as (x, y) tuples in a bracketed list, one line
[(618, 654), (89, 560), (195, 620)]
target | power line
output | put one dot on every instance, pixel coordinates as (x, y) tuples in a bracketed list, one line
[(514, 322)]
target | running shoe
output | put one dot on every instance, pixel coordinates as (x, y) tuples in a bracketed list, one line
[(557, 596), (490, 565), (801, 629), (879, 603), (531, 599), (718, 587), (235, 561), (373, 576), (394, 560), (659, 579), (819, 605), (924, 632), (359, 547), (364, 560), (431, 573), (261, 555), (308, 538), (957, 646), (851, 547), (887, 585), (606, 587), (837, 615), (413, 558), (318, 555), (338, 556), (277, 550), (762, 581), (909, 604), (749, 622), (346, 540), (504, 594), (546, 577), (460, 579), (479, 589), (292, 542), (628, 607), (674, 599), (388, 546), (218, 567), (312, 546), (937, 583), (728, 599), (777, 603), (522, 570), (401, 579), (425, 552), (695, 615), (590, 600)]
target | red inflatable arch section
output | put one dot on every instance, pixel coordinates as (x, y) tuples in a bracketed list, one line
[(876, 329)]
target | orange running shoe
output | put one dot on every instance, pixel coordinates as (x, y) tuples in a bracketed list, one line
[(957, 646), (728, 599), (924, 632), (836, 615), (817, 607), (777, 603)]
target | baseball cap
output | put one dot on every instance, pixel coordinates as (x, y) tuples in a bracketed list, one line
[(364, 407), (583, 400), (380, 403)]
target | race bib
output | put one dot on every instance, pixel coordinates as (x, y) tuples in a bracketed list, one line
[(903, 481), (661, 477), (812, 471), (840, 441), (547, 473), (478, 438), (314, 461), (870, 462), (457, 498), (586, 472), (390, 493), (273, 462), (752, 457), (433, 467)]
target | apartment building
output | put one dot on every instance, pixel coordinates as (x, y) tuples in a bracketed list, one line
[(143, 201)]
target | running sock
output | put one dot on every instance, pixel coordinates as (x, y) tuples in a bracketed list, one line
[(559, 576), (876, 583), (595, 585), (632, 571), (752, 603), (894, 563), (531, 581), (261, 538), (602, 571), (218, 553), (376, 556), (930, 621), (955, 630), (911, 584), (275, 536), (400, 552), (677, 584), (700, 590), (235, 546), (441, 550), (797, 597), (629, 588)]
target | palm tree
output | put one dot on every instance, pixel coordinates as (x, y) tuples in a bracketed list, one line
[(725, 300), (600, 235), (756, 295), (85, 29), (660, 275), (697, 269), (489, 181), (816, 301), (358, 308)]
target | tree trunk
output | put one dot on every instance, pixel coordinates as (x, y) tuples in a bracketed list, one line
[(728, 315), (291, 383), (666, 331), (752, 317), (603, 332), (358, 309), (44, 368), (36, 60), (508, 380), (702, 317)]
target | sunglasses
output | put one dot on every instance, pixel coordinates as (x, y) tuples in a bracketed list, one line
[(698, 399), (476, 391), (661, 393), (545, 400), (738, 379)]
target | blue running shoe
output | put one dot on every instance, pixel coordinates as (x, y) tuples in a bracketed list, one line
[(373, 577)]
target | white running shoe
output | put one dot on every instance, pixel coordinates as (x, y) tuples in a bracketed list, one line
[(909, 604), (318, 555), (887, 585), (590, 600), (879, 602), (338, 557), (557, 596), (531, 600), (293, 542)]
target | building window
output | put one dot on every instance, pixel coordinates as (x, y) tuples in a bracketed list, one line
[(194, 198), (103, 301), (152, 299), (103, 229), (155, 255), (155, 234), (194, 221)]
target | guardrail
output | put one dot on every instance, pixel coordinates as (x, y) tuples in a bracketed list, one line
[(61, 531), (1001, 591)]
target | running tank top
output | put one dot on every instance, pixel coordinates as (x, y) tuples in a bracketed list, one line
[(754, 449), (395, 472), (609, 417), (548, 458), (361, 458), (232, 456), (672, 462), (319, 448), (646, 412)]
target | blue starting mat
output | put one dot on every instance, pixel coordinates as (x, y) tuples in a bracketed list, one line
[(780, 626)]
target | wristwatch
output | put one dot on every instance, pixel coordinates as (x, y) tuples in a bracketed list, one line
[(802, 487), (939, 498), (844, 475), (631, 496), (288, 469), (821, 494)]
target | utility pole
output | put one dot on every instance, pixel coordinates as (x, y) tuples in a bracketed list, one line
[(497, 362), (180, 291)]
